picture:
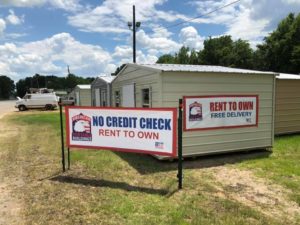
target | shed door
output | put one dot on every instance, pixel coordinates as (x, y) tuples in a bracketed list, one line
[(103, 97), (128, 96), (77, 98), (97, 96)]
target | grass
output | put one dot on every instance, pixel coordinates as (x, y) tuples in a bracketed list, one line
[(106, 187), (283, 165)]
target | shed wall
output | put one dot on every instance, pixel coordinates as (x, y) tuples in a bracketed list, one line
[(287, 106), (103, 86), (175, 85), (142, 79), (84, 97)]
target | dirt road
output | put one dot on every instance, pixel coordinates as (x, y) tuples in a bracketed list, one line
[(6, 107), (9, 205)]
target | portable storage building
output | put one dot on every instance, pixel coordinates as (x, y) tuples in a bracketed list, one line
[(82, 95), (101, 91), (287, 104), (161, 85)]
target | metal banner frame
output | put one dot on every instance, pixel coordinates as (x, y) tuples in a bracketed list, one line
[(179, 143)]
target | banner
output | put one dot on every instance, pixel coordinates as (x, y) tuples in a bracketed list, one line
[(215, 112), (150, 131)]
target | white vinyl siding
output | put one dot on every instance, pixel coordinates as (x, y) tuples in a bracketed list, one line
[(83, 97), (103, 95), (287, 116), (97, 97), (142, 79), (175, 85), (128, 95), (166, 88)]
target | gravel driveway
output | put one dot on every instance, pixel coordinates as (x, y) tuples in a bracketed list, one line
[(6, 107)]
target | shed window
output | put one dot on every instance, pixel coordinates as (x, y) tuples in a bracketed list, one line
[(146, 98), (117, 98)]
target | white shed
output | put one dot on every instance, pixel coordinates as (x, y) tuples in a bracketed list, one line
[(287, 116), (161, 85), (101, 91), (83, 95)]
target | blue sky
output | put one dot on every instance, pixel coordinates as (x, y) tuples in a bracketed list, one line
[(44, 36)]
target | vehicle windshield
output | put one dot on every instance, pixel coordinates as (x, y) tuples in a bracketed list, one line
[(27, 97)]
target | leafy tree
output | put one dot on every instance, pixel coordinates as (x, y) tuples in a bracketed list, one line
[(166, 59), (280, 51), (217, 51), (182, 57), (194, 58), (242, 55), (7, 87), (118, 70)]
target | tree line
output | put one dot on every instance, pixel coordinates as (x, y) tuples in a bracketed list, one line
[(51, 82), (279, 51), (9, 89)]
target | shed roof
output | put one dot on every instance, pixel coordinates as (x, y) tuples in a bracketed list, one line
[(199, 68), (107, 79), (288, 76), (84, 86)]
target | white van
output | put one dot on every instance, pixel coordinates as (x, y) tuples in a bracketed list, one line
[(48, 101)]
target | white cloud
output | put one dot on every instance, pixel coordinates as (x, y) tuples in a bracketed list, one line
[(160, 31), (2, 26), (123, 51), (51, 55), (113, 15), (161, 44), (189, 37), (248, 19), (147, 59), (68, 5), (13, 19)]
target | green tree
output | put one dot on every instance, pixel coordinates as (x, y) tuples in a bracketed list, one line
[(242, 55), (50, 81), (217, 51), (280, 51), (7, 87), (166, 59), (182, 57), (118, 70)]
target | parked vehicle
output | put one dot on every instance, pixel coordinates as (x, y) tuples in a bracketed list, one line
[(48, 101), (68, 101)]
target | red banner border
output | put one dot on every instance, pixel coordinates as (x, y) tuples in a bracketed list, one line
[(173, 110)]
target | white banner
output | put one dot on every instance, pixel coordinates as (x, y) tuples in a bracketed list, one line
[(151, 131), (215, 112)]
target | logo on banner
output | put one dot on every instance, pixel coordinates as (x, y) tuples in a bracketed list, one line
[(195, 112), (159, 145), (81, 128)]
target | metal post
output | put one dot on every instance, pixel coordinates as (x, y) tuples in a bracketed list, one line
[(62, 137), (134, 30), (69, 160), (180, 174)]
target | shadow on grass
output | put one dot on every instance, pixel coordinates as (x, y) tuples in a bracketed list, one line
[(146, 164), (110, 184)]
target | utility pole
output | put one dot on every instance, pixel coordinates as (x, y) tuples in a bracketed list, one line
[(68, 70), (135, 26)]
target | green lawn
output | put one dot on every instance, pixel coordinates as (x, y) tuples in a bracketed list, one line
[(105, 187), (282, 166)]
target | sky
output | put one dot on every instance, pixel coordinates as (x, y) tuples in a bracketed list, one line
[(92, 36)]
